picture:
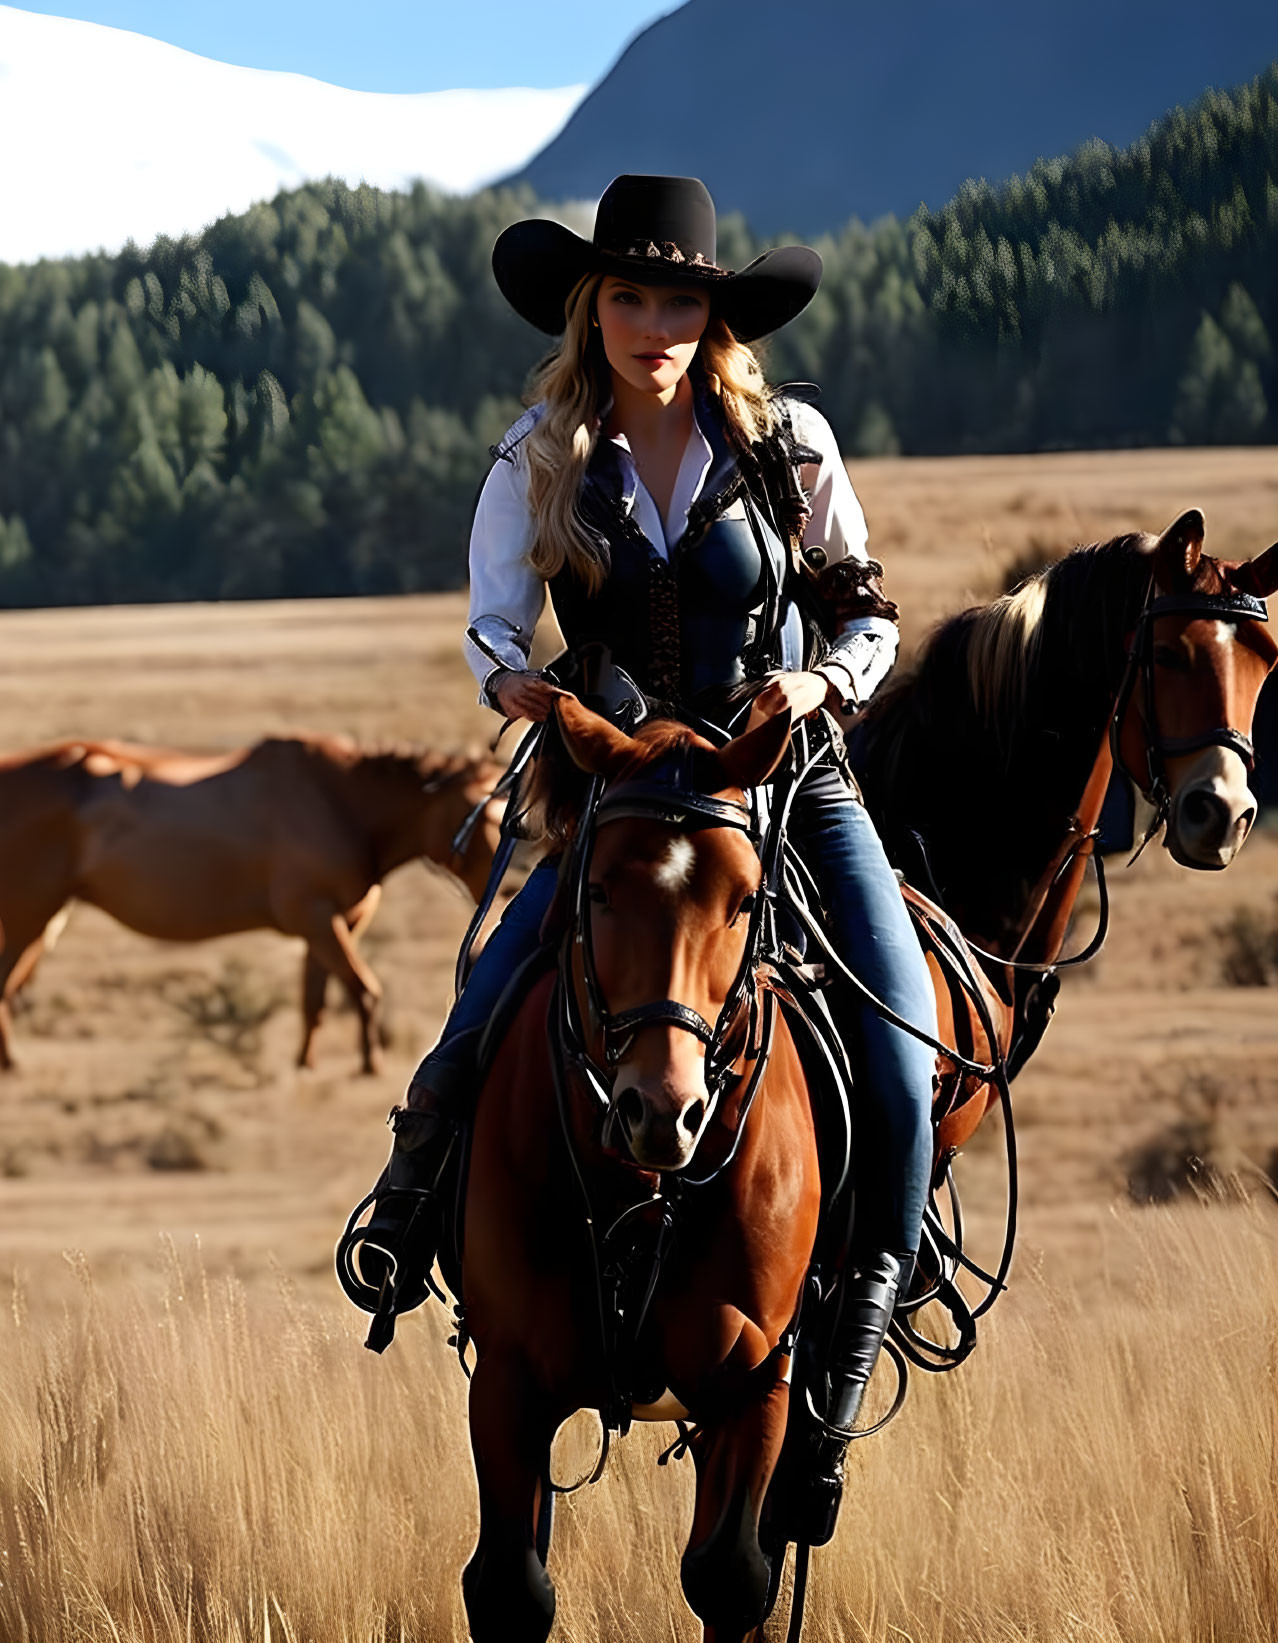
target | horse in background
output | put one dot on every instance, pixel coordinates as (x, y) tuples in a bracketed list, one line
[(985, 764), (294, 834)]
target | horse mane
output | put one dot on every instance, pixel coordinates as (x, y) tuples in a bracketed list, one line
[(995, 654), (392, 761), (428, 765), (1002, 645), (656, 740), (976, 744)]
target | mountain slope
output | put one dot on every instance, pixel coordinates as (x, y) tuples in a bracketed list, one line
[(805, 115), (121, 136)]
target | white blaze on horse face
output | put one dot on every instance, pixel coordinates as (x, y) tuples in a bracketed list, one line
[(1212, 808), (674, 871)]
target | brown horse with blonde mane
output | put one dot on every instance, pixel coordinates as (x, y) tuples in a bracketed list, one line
[(294, 834), (986, 767), (986, 764)]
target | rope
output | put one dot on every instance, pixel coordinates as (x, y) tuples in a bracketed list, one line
[(1088, 953), (984, 1071)]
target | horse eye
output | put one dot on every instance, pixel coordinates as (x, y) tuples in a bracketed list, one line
[(745, 909), (597, 894), (1166, 656)]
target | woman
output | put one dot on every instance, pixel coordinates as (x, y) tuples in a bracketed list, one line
[(673, 507)]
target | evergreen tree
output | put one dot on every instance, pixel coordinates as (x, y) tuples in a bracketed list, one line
[(1220, 400), (301, 399)]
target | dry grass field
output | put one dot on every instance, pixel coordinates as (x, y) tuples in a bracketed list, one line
[(193, 1444)]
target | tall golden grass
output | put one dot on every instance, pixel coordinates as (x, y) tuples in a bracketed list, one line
[(210, 1463)]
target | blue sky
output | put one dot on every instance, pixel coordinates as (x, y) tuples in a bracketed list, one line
[(391, 45)]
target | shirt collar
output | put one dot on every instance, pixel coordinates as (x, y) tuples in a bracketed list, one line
[(697, 462)]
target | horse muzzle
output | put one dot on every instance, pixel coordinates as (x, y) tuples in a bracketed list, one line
[(658, 1121), (1212, 811)]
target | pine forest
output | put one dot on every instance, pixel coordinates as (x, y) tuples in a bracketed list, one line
[(300, 400)]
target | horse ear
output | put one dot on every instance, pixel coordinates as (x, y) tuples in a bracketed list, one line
[(1258, 575), (595, 745), (747, 761), (1179, 550)]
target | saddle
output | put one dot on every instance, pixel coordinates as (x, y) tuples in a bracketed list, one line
[(975, 1005)]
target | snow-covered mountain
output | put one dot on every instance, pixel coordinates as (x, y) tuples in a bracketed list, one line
[(107, 135)]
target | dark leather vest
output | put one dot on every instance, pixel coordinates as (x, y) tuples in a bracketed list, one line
[(717, 613)]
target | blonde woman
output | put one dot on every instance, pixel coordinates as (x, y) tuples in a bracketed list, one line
[(673, 506)]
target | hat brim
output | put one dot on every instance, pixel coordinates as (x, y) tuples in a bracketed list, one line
[(536, 264)]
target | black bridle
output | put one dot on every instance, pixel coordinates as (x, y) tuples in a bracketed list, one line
[(677, 803), (1140, 668)]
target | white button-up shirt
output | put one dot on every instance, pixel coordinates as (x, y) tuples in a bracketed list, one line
[(504, 585)]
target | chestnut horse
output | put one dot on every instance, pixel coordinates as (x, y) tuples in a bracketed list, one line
[(987, 753), (669, 921), (293, 834)]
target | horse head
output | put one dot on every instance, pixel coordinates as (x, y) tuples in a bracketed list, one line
[(440, 808), (669, 880), (1199, 655)]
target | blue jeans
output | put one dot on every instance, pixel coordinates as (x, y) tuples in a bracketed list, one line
[(871, 931), (514, 939)]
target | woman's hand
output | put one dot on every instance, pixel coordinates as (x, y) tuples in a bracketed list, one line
[(525, 696), (802, 693)]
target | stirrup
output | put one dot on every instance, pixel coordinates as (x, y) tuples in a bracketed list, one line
[(406, 1278), (369, 1296)]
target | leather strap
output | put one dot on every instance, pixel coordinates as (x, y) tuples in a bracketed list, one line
[(626, 1023), (676, 806)]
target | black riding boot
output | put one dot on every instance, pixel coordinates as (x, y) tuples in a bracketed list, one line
[(384, 1265), (870, 1291)]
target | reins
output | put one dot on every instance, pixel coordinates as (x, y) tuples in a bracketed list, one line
[(510, 836), (1081, 837)]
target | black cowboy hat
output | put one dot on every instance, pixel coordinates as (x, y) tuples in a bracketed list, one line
[(656, 230)]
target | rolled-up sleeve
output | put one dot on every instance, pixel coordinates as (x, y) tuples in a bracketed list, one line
[(507, 596), (864, 647)]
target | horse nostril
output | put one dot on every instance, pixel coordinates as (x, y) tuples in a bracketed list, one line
[(630, 1110), (1205, 815), (693, 1116)]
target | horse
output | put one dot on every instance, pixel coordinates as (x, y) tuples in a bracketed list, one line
[(985, 765), (669, 892), (294, 834)]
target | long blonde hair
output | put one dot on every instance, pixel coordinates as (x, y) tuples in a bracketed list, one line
[(572, 384)]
